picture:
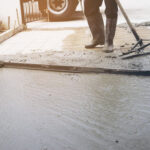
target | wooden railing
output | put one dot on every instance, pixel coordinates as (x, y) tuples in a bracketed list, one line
[(30, 11)]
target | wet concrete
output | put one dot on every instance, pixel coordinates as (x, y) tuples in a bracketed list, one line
[(59, 111), (62, 43), (66, 47)]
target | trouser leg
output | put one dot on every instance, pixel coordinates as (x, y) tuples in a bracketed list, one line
[(111, 10), (111, 21), (95, 22), (42, 5)]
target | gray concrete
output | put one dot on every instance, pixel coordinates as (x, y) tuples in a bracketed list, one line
[(62, 43), (57, 111)]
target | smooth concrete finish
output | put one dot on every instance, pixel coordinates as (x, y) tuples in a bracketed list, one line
[(57, 111)]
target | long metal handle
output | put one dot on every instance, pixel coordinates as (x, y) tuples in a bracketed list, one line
[(137, 37)]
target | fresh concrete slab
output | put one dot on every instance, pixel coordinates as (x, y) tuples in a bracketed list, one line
[(61, 111), (66, 47)]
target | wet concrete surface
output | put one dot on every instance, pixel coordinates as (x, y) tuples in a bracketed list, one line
[(66, 47), (62, 43), (61, 111)]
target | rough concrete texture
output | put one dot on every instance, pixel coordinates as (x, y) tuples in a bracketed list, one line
[(42, 43)]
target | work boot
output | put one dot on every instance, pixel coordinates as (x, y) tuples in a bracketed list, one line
[(96, 26), (110, 34)]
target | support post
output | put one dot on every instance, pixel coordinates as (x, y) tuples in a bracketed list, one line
[(22, 12)]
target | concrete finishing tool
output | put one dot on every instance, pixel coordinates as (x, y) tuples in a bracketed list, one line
[(139, 46)]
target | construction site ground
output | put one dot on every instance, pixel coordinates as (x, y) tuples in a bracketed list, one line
[(70, 111), (63, 44)]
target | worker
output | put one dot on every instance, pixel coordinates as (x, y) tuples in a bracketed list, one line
[(96, 24)]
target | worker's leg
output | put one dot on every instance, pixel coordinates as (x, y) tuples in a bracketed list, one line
[(111, 21), (95, 22)]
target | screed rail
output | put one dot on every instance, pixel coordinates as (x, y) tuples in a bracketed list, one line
[(73, 69)]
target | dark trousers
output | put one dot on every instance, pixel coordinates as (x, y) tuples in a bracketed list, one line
[(42, 4), (91, 7)]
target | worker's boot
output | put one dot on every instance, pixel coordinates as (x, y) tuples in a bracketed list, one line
[(110, 34), (96, 26)]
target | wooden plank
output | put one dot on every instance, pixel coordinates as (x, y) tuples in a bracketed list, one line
[(74, 69), (9, 33), (1, 64)]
